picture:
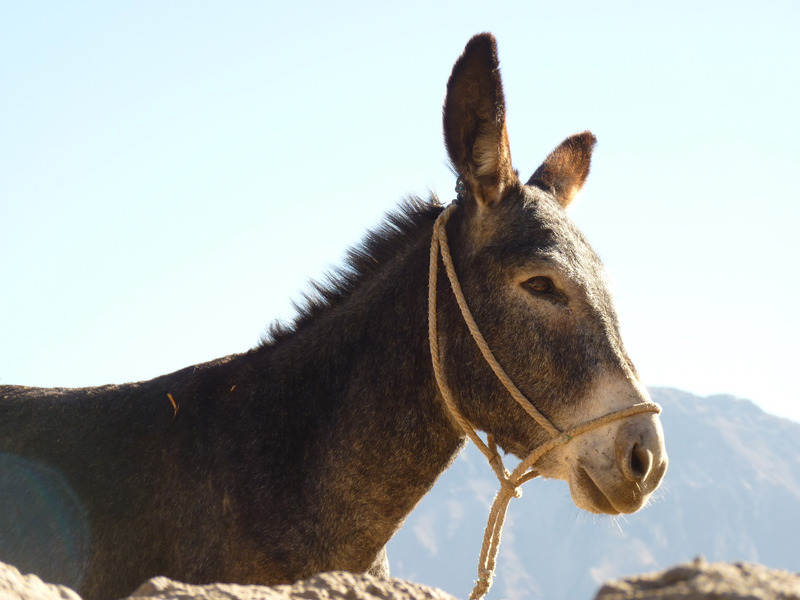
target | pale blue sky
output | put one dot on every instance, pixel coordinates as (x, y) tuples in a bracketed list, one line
[(172, 174)]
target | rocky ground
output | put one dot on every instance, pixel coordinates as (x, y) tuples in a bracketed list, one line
[(691, 581), (702, 580)]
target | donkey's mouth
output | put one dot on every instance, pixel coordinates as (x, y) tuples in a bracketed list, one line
[(588, 495)]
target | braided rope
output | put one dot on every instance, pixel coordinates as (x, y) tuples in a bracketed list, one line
[(509, 482)]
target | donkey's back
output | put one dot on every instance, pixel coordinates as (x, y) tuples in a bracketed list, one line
[(89, 474)]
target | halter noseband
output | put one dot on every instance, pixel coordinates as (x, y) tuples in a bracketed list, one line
[(509, 482)]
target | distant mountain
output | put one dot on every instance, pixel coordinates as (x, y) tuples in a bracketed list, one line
[(732, 492)]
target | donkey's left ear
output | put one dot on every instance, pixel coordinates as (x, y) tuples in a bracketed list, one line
[(565, 170), (475, 122)]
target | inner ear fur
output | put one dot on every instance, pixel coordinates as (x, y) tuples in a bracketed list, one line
[(475, 122), (564, 171)]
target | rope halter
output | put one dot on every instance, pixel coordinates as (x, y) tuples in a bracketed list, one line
[(510, 482)]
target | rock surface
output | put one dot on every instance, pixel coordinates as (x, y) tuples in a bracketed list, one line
[(16, 586), (702, 580), (337, 585), (698, 580)]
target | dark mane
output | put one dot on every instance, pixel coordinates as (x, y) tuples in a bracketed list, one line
[(361, 262)]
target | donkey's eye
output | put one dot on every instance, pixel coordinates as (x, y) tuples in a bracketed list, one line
[(540, 285)]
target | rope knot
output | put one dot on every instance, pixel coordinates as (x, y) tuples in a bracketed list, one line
[(511, 488)]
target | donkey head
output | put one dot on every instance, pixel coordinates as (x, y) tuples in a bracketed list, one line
[(538, 293)]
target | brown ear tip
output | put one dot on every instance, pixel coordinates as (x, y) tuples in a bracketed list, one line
[(482, 43), (484, 39), (586, 140)]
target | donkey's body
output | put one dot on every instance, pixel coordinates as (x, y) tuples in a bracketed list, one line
[(300, 456), (306, 453)]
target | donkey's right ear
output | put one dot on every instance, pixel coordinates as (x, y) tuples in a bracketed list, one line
[(475, 122), (564, 171)]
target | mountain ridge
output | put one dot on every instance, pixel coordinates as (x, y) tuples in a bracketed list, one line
[(732, 492)]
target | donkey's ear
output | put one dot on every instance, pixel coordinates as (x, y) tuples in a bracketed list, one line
[(565, 170), (475, 122)]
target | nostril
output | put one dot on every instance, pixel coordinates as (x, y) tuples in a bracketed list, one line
[(640, 462)]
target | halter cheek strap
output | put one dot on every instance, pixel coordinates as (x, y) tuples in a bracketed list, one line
[(509, 482)]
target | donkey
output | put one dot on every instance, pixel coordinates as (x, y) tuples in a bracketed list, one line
[(306, 453)]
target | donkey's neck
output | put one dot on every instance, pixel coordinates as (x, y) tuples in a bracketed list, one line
[(362, 366)]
